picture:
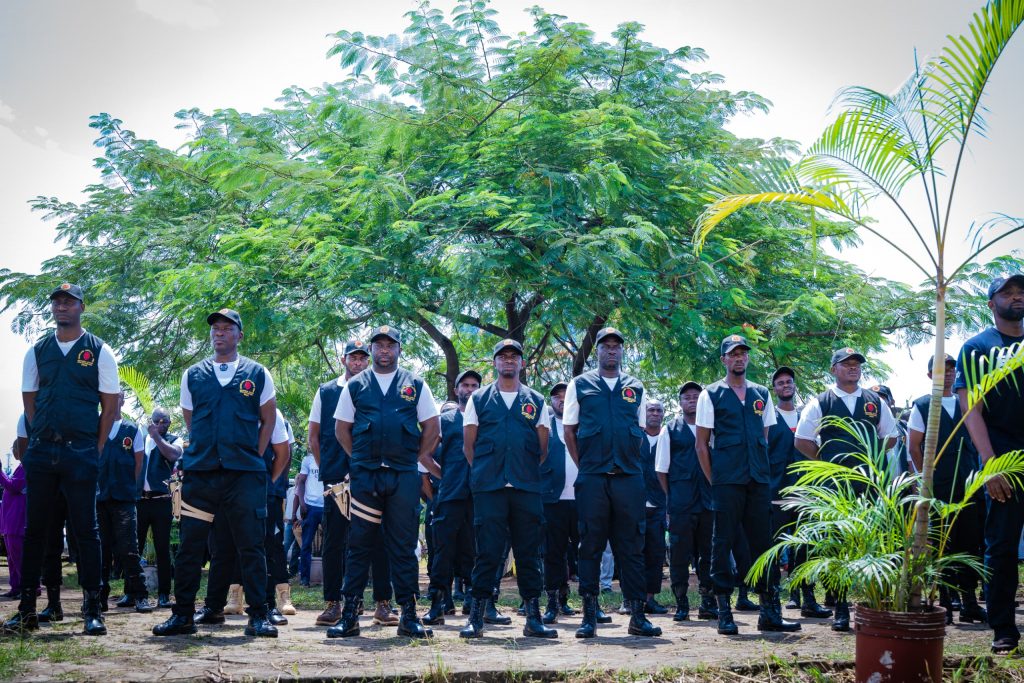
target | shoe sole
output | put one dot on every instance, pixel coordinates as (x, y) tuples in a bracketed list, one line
[(634, 632), (382, 622), (328, 622), (176, 633), (351, 634), (540, 635), (773, 629), (584, 636), (252, 634), (499, 622)]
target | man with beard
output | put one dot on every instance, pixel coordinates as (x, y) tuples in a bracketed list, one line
[(782, 453), (996, 427), (334, 469), (505, 441), (605, 415), (845, 399), (386, 421), (739, 414), (452, 519), (153, 506), (690, 516), (69, 388)]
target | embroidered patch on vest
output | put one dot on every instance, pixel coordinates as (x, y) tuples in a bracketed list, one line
[(529, 411), (247, 387), (759, 407), (408, 392), (629, 395), (127, 442), (86, 358), (870, 409)]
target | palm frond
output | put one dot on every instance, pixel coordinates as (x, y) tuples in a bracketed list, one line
[(138, 383)]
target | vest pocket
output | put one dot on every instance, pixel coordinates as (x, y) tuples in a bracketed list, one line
[(247, 432), (362, 440), (411, 437)]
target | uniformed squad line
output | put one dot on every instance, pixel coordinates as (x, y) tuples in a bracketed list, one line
[(562, 483)]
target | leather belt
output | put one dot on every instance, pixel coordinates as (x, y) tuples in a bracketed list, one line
[(150, 495)]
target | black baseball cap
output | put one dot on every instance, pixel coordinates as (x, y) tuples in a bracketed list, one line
[(356, 346), (690, 385), (1001, 282), (839, 355), (225, 314), (558, 385), (734, 341), (71, 290), (385, 331), (507, 344), (469, 373), (949, 360), (783, 370), (609, 332), (883, 391)]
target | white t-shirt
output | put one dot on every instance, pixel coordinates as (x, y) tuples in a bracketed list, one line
[(425, 407), (282, 430), (22, 427), (916, 422), (225, 372), (110, 383), (289, 504), (314, 487), (571, 471), (663, 456), (653, 441), (138, 441), (314, 410), (810, 417), (706, 410), (571, 410), (790, 416)]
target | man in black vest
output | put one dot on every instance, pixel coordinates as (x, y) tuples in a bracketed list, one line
[(605, 414), (153, 506), (739, 414), (782, 453), (452, 520), (70, 388), (386, 421), (334, 468), (848, 400), (120, 467), (561, 523), (505, 441), (230, 411), (996, 428), (690, 516), (958, 461)]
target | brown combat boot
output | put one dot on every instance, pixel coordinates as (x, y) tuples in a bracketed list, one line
[(331, 614), (383, 614)]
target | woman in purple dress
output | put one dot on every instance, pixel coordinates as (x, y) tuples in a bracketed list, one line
[(12, 520)]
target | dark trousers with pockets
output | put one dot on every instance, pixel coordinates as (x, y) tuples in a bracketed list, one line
[(452, 527), (611, 509), (238, 502), (380, 570), (335, 545), (1003, 525), (273, 546), (52, 575), (155, 514), (745, 507), (689, 535), (119, 538), (561, 525), (654, 549), (508, 516), (51, 470), (384, 518)]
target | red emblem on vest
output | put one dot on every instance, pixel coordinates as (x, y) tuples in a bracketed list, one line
[(758, 407), (870, 409), (529, 411), (127, 442), (408, 392), (629, 395), (86, 358), (247, 387)]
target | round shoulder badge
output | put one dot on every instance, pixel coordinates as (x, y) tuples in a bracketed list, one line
[(408, 392), (247, 387), (86, 358), (629, 395)]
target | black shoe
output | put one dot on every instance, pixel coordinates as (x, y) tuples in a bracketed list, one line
[(794, 598), (493, 616), (588, 629), (726, 625), (467, 604), (770, 617), (707, 609), (745, 604), (125, 601), (260, 627), (208, 617), (682, 606), (534, 627), (474, 627), (652, 606), (409, 624), (603, 618), (20, 623), (163, 601), (459, 591), (53, 610), (971, 613), (638, 623), (435, 615), (563, 603), (830, 599), (275, 617), (143, 605), (92, 617), (551, 611), (811, 609), (521, 610), (1004, 645), (104, 595), (449, 605), (348, 626), (841, 621), (176, 625)]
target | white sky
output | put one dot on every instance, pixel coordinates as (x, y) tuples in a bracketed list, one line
[(141, 60)]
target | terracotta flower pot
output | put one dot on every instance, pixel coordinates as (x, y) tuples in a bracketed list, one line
[(899, 647)]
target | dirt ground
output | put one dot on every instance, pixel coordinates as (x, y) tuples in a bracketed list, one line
[(221, 653)]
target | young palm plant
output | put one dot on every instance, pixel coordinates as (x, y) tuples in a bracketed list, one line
[(880, 146)]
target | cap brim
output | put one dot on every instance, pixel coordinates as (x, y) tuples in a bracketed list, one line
[(610, 334), (561, 385), (469, 373), (361, 350), (1014, 279), (734, 346), (855, 356), (386, 336), (784, 370), (690, 385), (214, 317), (66, 292)]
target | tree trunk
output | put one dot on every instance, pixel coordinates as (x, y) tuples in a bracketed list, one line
[(451, 356), (587, 344)]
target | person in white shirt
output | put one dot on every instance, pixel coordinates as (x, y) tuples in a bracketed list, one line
[(309, 492)]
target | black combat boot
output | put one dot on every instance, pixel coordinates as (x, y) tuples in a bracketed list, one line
[(534, 627), (53, 610), (830, 599), (259, 626), (726, 626), (551, 611), (770, 617), (467, 604), (638, 623), (474, 627), (744, 603), (125, 600), (20, 624), (794, 596), (682, 605), (707, 609), (491, 613), (588, 629), (177, 625), (602, 618), (163, 601), (143, 605), (841, 622), (92, 616), (449, 604), (208, 616), (104, 599), (944, 601), (409, 624), (563, 603), (349, 624), (652, 606), (275, 617), (970, 611), (811, 608), (435, 615)]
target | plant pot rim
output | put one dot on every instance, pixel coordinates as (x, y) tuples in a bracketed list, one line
[(930, 611)]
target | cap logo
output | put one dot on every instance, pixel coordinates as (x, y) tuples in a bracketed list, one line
[(384, 329), (358, 343), (629, 395), (529, 411), (247, 387), (736, 338), (870, 409), (224, 311), (126, 442), (408, 392), (849, 350), (86, 358), (507, 342), (759, 407), (66, 286)]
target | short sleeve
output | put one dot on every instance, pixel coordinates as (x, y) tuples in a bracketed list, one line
[(280, 434), (962, 359), (304, 468), (663, 456), (571, 408), (22, 427), (186, 395), (887, 426), (110, 382), (545, 418), (425, 406), (769, 417), (314, 410), (269, 391), (346, 410), (641, 413), (30, 372), (139, 442), (916, 422), (705, 410), (469, 415), (810, 419), (291, 434)]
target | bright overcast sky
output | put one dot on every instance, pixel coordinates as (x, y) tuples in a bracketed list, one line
[(142, 60)]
